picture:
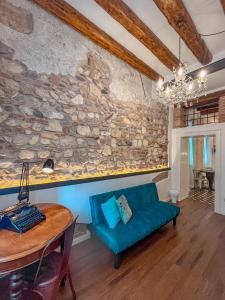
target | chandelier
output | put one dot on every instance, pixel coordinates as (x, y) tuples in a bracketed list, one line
[(183, 89)]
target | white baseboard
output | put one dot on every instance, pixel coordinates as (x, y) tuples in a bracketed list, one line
[(81, 238), (184, 194)]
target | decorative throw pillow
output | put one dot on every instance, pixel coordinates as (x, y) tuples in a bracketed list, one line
[(110, 212), (124, 209)]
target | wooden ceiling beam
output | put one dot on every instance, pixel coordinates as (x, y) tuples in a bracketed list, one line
[(179, 18), (208, 111), (223, 4), (211, 96), (208, 99), (131, 22), (75, 19)]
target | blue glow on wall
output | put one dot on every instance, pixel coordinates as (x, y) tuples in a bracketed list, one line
[(76, 198), (206, 152), (191, 152)]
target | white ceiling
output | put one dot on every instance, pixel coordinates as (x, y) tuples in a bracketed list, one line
[(207, 15)]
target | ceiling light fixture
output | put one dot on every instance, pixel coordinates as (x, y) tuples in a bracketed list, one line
[(183, 88)]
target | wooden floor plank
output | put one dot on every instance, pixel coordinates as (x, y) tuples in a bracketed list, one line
[(186, 262)]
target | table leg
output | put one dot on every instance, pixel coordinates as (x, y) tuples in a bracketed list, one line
[(16, 285)]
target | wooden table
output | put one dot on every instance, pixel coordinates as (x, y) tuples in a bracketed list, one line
[(19, 250)]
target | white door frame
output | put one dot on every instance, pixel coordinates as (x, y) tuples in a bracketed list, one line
[(217, 130)]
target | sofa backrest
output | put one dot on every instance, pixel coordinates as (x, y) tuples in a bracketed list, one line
[(138, 197)]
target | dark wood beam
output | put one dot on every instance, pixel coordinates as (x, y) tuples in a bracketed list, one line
[(210, 69), (72, 17), (210, 110), (223, 5), (131, 22), (179, 18), (211, 96), (208, 99), (207, 104)]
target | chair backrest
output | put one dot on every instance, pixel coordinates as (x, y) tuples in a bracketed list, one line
[(65, 240), (202, 175), (138, 197), (196, 174), (67, 244)]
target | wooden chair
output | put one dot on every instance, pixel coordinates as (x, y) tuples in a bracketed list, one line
[(196, 179), (44, 278), (203, 181), (4, 288)]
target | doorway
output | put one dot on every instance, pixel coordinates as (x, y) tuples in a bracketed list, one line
[(217, 130), (197, 180)]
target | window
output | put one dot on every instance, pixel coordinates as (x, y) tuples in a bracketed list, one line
[(201, 115)]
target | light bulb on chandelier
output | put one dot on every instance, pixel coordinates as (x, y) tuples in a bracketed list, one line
[(202, 77), (191, 86), (179, 73)]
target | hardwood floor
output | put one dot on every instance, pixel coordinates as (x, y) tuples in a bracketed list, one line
[(186, 263)]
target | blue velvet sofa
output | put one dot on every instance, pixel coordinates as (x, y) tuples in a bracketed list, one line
[(149, 214)]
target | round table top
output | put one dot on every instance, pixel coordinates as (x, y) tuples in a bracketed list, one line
[(14, 247)]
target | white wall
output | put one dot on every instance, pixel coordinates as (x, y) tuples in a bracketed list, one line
[(76, 197), (185, 171), (163, 189)]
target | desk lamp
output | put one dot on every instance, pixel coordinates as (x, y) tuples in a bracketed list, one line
[(24, 189)]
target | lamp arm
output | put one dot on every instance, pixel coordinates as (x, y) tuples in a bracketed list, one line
[(24, 188), (24, 183)]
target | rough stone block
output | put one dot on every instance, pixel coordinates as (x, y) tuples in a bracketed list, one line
[(78, 100), (12, 66), (26, 154), (83, 130), (43, 154), (6, 51), (16, 17), (54, 125)]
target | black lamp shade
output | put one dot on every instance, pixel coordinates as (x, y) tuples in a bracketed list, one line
[(48, 166)]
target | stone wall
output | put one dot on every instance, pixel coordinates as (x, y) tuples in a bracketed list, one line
[(77, 117)]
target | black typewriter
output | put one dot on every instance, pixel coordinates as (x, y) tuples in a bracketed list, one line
[(23, 215), (20, 217)]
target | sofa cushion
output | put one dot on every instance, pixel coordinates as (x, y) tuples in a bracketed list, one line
[(110, 212), (142, 223), (124, 209), (165, 210)]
